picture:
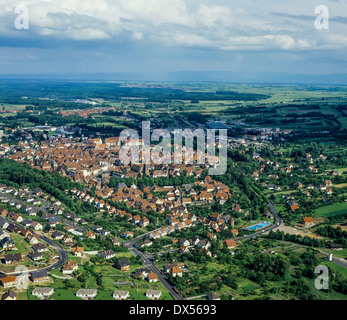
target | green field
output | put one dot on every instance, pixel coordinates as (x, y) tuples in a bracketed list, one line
[(331, 210), (336, 268)]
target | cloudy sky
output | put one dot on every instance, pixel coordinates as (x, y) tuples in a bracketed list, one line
[(173, 35)]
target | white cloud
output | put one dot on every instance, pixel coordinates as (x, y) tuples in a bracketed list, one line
[(212, 16), (242, 25), (137, 35)]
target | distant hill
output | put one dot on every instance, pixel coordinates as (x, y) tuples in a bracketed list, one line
[(237, 77)]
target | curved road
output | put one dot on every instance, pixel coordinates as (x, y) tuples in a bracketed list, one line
[(63, 257), (279, 222)]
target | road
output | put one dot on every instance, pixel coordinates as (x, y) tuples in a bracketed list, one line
[(149, 264), (148, 258), (278, 223), (63, 257), (341, 262)]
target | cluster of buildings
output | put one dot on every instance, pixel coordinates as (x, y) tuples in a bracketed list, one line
[(85, 113)]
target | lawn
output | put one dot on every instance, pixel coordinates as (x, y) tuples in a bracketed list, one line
[(336, 268), (23, 295), (331, 210)]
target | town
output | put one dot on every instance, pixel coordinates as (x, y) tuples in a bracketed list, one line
[(78, 223)]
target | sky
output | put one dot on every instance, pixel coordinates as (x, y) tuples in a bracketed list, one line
[(88, 36)]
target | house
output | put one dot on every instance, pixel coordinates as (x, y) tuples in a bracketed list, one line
[(230, 243), (9, 295), (334, 173), (14, 228), (78, 251), (96, 228), (105, 232), (297, 184), (107, 254), (31, 212), (53, 221), (186, 201), (187, 223), (204, 244), (27, 223), (235, 232), (141, 273), (48, 229), (176, 271), (271, 186), (57, 235), (115, 242), (152, 277), (194, 240), (184, 242), (3, 224), (3, 234), (162, 232), (8, 244), (91, 235), (42, 292), (212, 296), (329, 191), (120, 294), (144, 243), (70, 267), (328, 183), (67, 240), (12, 258), (40, 247), (214, 216), (46, 216), (205, 251), (127, 234), (35, 256), (207, 196), (293, 207), (87, 293), (17, 218), (83, 222), (9, 281), (170, 229), (153, 294), (39, 276), (123, 265), (25, 232), (32, 238), (307, 222), (154, 235), (3, 212), (135, 219), (321, 187), (144, 222), (212, 236), (183, 249)]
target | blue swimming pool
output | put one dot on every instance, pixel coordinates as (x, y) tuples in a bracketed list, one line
[(258, 226)]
